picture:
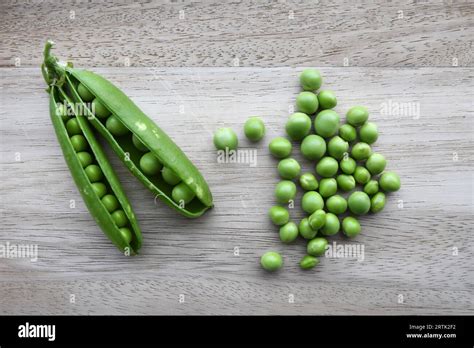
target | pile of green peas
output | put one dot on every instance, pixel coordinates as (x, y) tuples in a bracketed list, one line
[(344, 162)]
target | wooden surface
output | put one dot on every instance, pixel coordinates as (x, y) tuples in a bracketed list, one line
[(418, 251)]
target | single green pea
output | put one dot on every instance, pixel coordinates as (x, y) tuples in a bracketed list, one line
[(306, 230), (311, 202), (254, 128), (377, 203), (115, 126), (138, 144), (99, 188), (182, 194), (73, 127), (372, 187), (110, 202), (308, 262), (347, 132), (100, 111), (317, 219), (285, 191), (336, 204), (308, 182), (94, 173), (348, 165), (170, 177), (317, 246), (332, 225), (313, 147), (298, 126), (337, 147), (279, 215), (350, 226), (288, 232), (369, 133), (327, 187), (361, 175), (84, 93), (326, 123), (85, 158), (280, 147), (345, 182), (307, 102), (359, 203), (327, 167), (225, 138), (357, 116), (289, 168), (361, 151), (271, 261), (376, 163), (389, 182), (126, 234), (149, 164), (310, 79), (327, 99), (119, 218)]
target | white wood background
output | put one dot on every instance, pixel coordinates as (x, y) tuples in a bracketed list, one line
[(422, 252)]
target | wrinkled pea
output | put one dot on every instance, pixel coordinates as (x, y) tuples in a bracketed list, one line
[(345, 182), (308, 262), (317, 219), (372, 187), (305, 229), (308, 182)]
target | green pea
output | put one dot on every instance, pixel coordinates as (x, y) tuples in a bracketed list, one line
[(377, 203), (288, 232), (357, 116), (327, 187), (310, 79), (84, 93), (73, 127), (115, 126), (298, 126), (126, 234), (254, 128), (332, 225), (149, 164), (389, 182), (279, 215), (369, 133), (182, 194), (376, 163), (289, 168), (347, 132), (326, 123), (110, 202), (305, 229), (280, 147), (317, 219), (345, 182), (94, 173), (311, 202), (119, 218), (336, 204), (372, 187), (138, 144), (225, 138), (350, 226), (327, 99), (348, 165), (271, 261), (359, 203), (170, 177), (307, 102), (285, 191), (317, 246), (313, 147), (327, 167), (99, 188), (100, 111), (308, 182), (308, 262), (85, 158), (337, 147), (361, 151), (361, 175)]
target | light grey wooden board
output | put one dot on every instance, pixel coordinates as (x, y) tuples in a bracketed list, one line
[(265, 34), (409, 251)]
